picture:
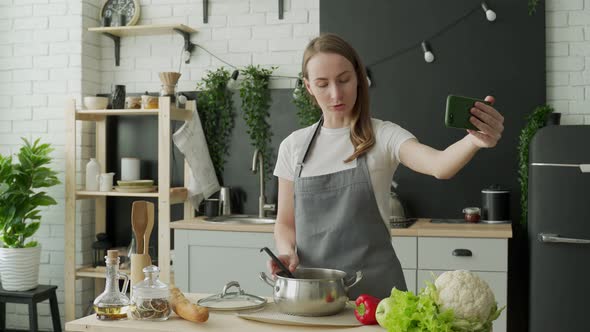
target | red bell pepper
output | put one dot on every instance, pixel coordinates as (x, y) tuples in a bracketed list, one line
[(366, 306)]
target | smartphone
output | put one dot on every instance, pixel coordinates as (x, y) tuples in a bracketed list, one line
[(458, 112)]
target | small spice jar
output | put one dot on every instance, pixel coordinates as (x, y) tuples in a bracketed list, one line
[(149, 298), (472, 214)]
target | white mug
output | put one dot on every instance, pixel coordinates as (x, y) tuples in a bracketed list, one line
[(105, 181), (129, 169)]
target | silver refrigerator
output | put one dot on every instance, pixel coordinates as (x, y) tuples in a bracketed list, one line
[(559, 229)]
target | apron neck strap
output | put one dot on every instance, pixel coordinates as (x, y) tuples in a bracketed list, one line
[(307, 146)]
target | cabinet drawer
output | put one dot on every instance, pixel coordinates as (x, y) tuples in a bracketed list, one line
[(498, 282), (406, 250), (410, 276), (486, 254)]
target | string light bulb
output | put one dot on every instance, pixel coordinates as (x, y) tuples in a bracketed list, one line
[(233, 81), (490, 14), (428, 55), (369, 81), (298, 87), (235, 74)]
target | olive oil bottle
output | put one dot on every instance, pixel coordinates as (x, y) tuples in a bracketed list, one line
[(112, 304)]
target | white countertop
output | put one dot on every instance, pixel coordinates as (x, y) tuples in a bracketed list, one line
[(217, 322)]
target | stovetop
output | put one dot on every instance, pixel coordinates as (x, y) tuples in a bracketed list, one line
[(402, 223)]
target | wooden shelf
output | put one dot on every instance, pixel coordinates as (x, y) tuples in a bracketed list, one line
[(177, 195), (178, 114), (138, 30), (73, 192), (100, 272), (95, 272), (115, 33)]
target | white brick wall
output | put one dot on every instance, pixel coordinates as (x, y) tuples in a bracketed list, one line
[(240, 32), (568, 59), (40, 66)]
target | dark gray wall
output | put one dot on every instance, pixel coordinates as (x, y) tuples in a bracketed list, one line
[(505, 58), (475, 58)]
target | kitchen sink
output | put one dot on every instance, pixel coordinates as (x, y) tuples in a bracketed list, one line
[(241, 219)]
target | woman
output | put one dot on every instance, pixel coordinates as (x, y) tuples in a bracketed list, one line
[(334, 176)]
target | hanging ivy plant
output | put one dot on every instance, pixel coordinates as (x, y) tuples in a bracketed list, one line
[(217, 116), (535, 120), (256, 100), (307, 111), (533, 6)]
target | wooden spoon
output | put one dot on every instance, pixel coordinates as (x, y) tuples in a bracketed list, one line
[(139, 222), (149, 226)]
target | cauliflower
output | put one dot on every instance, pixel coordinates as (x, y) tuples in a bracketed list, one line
[(466, 294), (458, 301)]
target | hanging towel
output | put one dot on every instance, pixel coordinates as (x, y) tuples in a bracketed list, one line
[(190, 140)]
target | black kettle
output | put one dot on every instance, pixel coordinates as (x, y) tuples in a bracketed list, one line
[(397, 211)]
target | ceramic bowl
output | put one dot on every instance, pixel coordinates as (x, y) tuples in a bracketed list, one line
[(96, 103)]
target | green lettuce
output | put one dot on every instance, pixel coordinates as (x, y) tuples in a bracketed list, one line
[(406, 312)]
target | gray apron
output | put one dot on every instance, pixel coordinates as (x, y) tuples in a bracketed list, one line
[(338, 226)]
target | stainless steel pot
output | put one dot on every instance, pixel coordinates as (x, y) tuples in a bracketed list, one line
[(313, 292)]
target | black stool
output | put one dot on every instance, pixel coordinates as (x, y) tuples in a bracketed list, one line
[(31, 297)]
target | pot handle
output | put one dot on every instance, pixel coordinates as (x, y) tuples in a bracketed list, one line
[(266, 279), (359, 277)]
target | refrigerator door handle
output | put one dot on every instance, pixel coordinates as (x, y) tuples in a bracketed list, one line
[(584, 168), (554, 238)]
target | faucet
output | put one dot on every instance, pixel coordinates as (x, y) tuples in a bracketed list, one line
[(257, 159)]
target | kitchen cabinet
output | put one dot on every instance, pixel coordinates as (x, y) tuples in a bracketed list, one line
[(74, 192), (486, 257), (204, 261), (406, 251)]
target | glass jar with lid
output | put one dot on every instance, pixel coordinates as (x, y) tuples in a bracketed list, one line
[(472, 214), (149, 298)]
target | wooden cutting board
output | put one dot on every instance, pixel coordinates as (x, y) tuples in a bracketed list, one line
[(270, 314)]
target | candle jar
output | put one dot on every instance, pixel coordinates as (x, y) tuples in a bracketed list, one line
[(472, 214)]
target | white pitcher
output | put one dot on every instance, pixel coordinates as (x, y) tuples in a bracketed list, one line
[(92, 172), (105, 181)]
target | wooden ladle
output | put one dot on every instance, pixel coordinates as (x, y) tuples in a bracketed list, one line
[(139, 223), (149, 227)]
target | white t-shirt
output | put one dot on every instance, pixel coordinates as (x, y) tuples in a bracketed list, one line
[(332, 146)]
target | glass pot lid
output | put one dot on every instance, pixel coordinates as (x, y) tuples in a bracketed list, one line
[(231, 301)]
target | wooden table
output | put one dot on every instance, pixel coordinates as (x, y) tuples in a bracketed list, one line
[(217, 322)]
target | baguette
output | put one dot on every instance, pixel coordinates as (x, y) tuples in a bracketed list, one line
[(186, 309)]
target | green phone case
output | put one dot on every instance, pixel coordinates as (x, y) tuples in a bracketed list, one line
[(458, 112)]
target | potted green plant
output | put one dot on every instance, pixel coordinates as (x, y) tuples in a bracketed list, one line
[(308, 112), (534, 122), (217, 114), (256, 99), (21, 195)]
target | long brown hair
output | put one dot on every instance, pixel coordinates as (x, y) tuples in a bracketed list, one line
[(361, 130)]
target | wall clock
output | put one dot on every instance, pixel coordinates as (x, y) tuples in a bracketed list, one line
[(112, 8)]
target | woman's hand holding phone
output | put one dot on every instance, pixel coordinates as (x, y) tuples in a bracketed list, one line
[(489, 122), (479, 117)]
